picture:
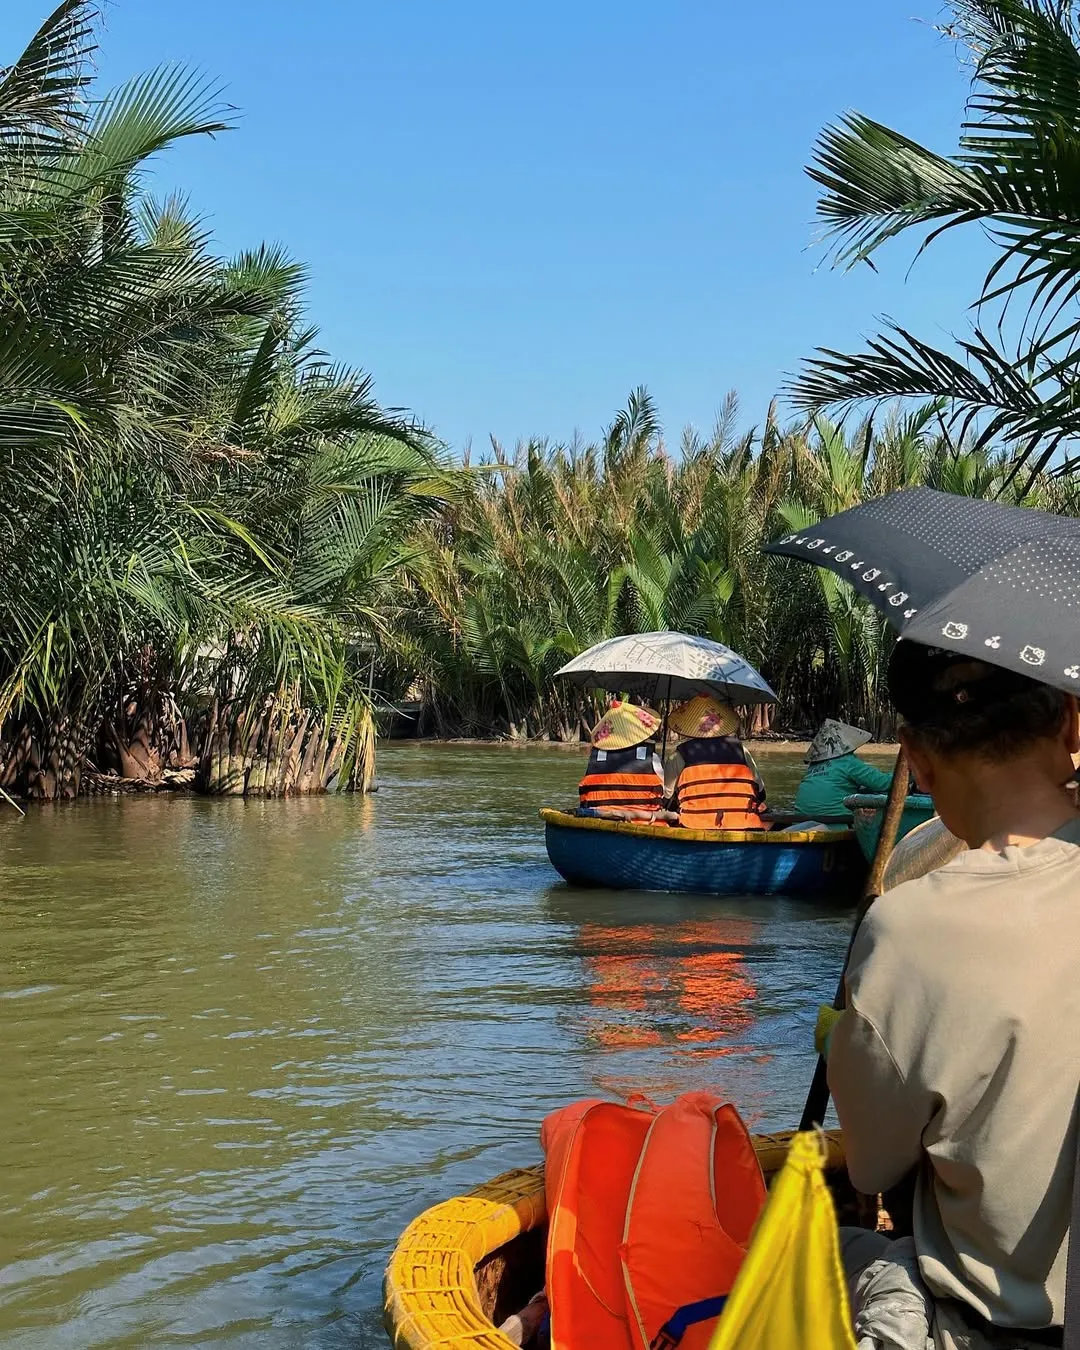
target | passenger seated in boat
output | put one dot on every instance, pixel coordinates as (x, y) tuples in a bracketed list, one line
[(958, 1056), (835, 771), (624, 779), (717, 785)]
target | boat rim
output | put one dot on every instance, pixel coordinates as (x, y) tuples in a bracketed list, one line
[(877, 801), (551, 815)]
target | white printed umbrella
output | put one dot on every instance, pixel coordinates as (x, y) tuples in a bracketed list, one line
[(658, 666)]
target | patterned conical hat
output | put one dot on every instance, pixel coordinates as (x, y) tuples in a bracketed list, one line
[(622, 726), (703, 717), (835, 739)]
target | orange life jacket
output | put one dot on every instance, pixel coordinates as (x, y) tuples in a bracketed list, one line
[(651, 1212), (623, 778), (717, 789)]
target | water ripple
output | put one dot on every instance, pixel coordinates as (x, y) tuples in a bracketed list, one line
[(247, 1041)]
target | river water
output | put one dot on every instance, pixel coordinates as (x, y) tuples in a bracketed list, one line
[(243, 1043)]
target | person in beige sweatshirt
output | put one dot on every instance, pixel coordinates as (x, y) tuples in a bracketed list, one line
[(958, 1056)]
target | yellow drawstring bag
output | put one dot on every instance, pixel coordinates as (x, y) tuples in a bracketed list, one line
[(790, 1292)]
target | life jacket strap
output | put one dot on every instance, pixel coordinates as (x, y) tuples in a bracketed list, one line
[(719, 792), (680, 1321), (641, 789)]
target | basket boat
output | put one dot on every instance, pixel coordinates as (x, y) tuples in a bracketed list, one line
[(465, 1265), (868, 812), (629, 855)]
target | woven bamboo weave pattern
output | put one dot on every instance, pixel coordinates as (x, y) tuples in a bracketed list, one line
[(430, 1296), (430, 1293)]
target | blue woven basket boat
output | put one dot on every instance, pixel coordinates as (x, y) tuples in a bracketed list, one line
[(868, 813), (626, 855)]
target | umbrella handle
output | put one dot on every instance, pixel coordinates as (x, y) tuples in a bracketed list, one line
[(667, 711), (817, 1099)]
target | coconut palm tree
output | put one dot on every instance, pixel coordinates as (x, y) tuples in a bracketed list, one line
[(202, 512), (1012, 376)]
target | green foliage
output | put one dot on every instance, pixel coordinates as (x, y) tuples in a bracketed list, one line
[(214, 542), (552, 549), (1012, 378), (199, 507)]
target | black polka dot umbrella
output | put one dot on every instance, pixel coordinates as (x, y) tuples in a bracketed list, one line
[(1001, 583)]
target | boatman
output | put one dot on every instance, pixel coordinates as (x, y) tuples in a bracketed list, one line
[(835, 771), (958, 1056)]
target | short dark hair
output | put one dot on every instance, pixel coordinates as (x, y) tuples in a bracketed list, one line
[(955, 704)]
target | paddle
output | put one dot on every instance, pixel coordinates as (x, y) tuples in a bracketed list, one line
[(817, 1099)]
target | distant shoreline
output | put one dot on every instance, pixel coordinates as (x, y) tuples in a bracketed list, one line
[(758, 746)]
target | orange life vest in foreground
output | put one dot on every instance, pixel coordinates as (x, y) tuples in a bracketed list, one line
[(623, 778), (650, 1214), (718, 790)]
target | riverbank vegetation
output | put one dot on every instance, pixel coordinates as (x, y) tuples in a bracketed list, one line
[(553, 548), (222, 557), (201, 511), (561, 547)]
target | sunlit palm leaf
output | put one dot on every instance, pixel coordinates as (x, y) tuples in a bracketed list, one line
[(1017, 171), (41, 111)]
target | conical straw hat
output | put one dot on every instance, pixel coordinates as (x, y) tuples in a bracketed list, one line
[(622, 726), (835, 739), (703, 717)]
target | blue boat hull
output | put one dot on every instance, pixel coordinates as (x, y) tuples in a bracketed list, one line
[(623, 856), (868, 815)]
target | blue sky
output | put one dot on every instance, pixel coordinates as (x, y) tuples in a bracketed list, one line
[(514, 213)]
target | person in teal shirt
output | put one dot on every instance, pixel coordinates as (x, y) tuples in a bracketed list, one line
[(836, 772)]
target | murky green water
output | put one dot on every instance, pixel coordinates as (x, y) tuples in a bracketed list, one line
[(243, 1043)]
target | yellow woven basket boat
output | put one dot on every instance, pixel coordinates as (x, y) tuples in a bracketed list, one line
[(465, 1265)]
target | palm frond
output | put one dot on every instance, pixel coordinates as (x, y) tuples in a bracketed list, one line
[(1017, 173), (42, 112)]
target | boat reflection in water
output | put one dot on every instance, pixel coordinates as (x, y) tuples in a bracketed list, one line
[(651, 984), (678, 993)]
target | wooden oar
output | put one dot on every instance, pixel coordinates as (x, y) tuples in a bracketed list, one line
[(817, 1099)]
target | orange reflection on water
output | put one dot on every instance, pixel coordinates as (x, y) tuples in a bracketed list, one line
[(684, 984), (623, 1038)]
